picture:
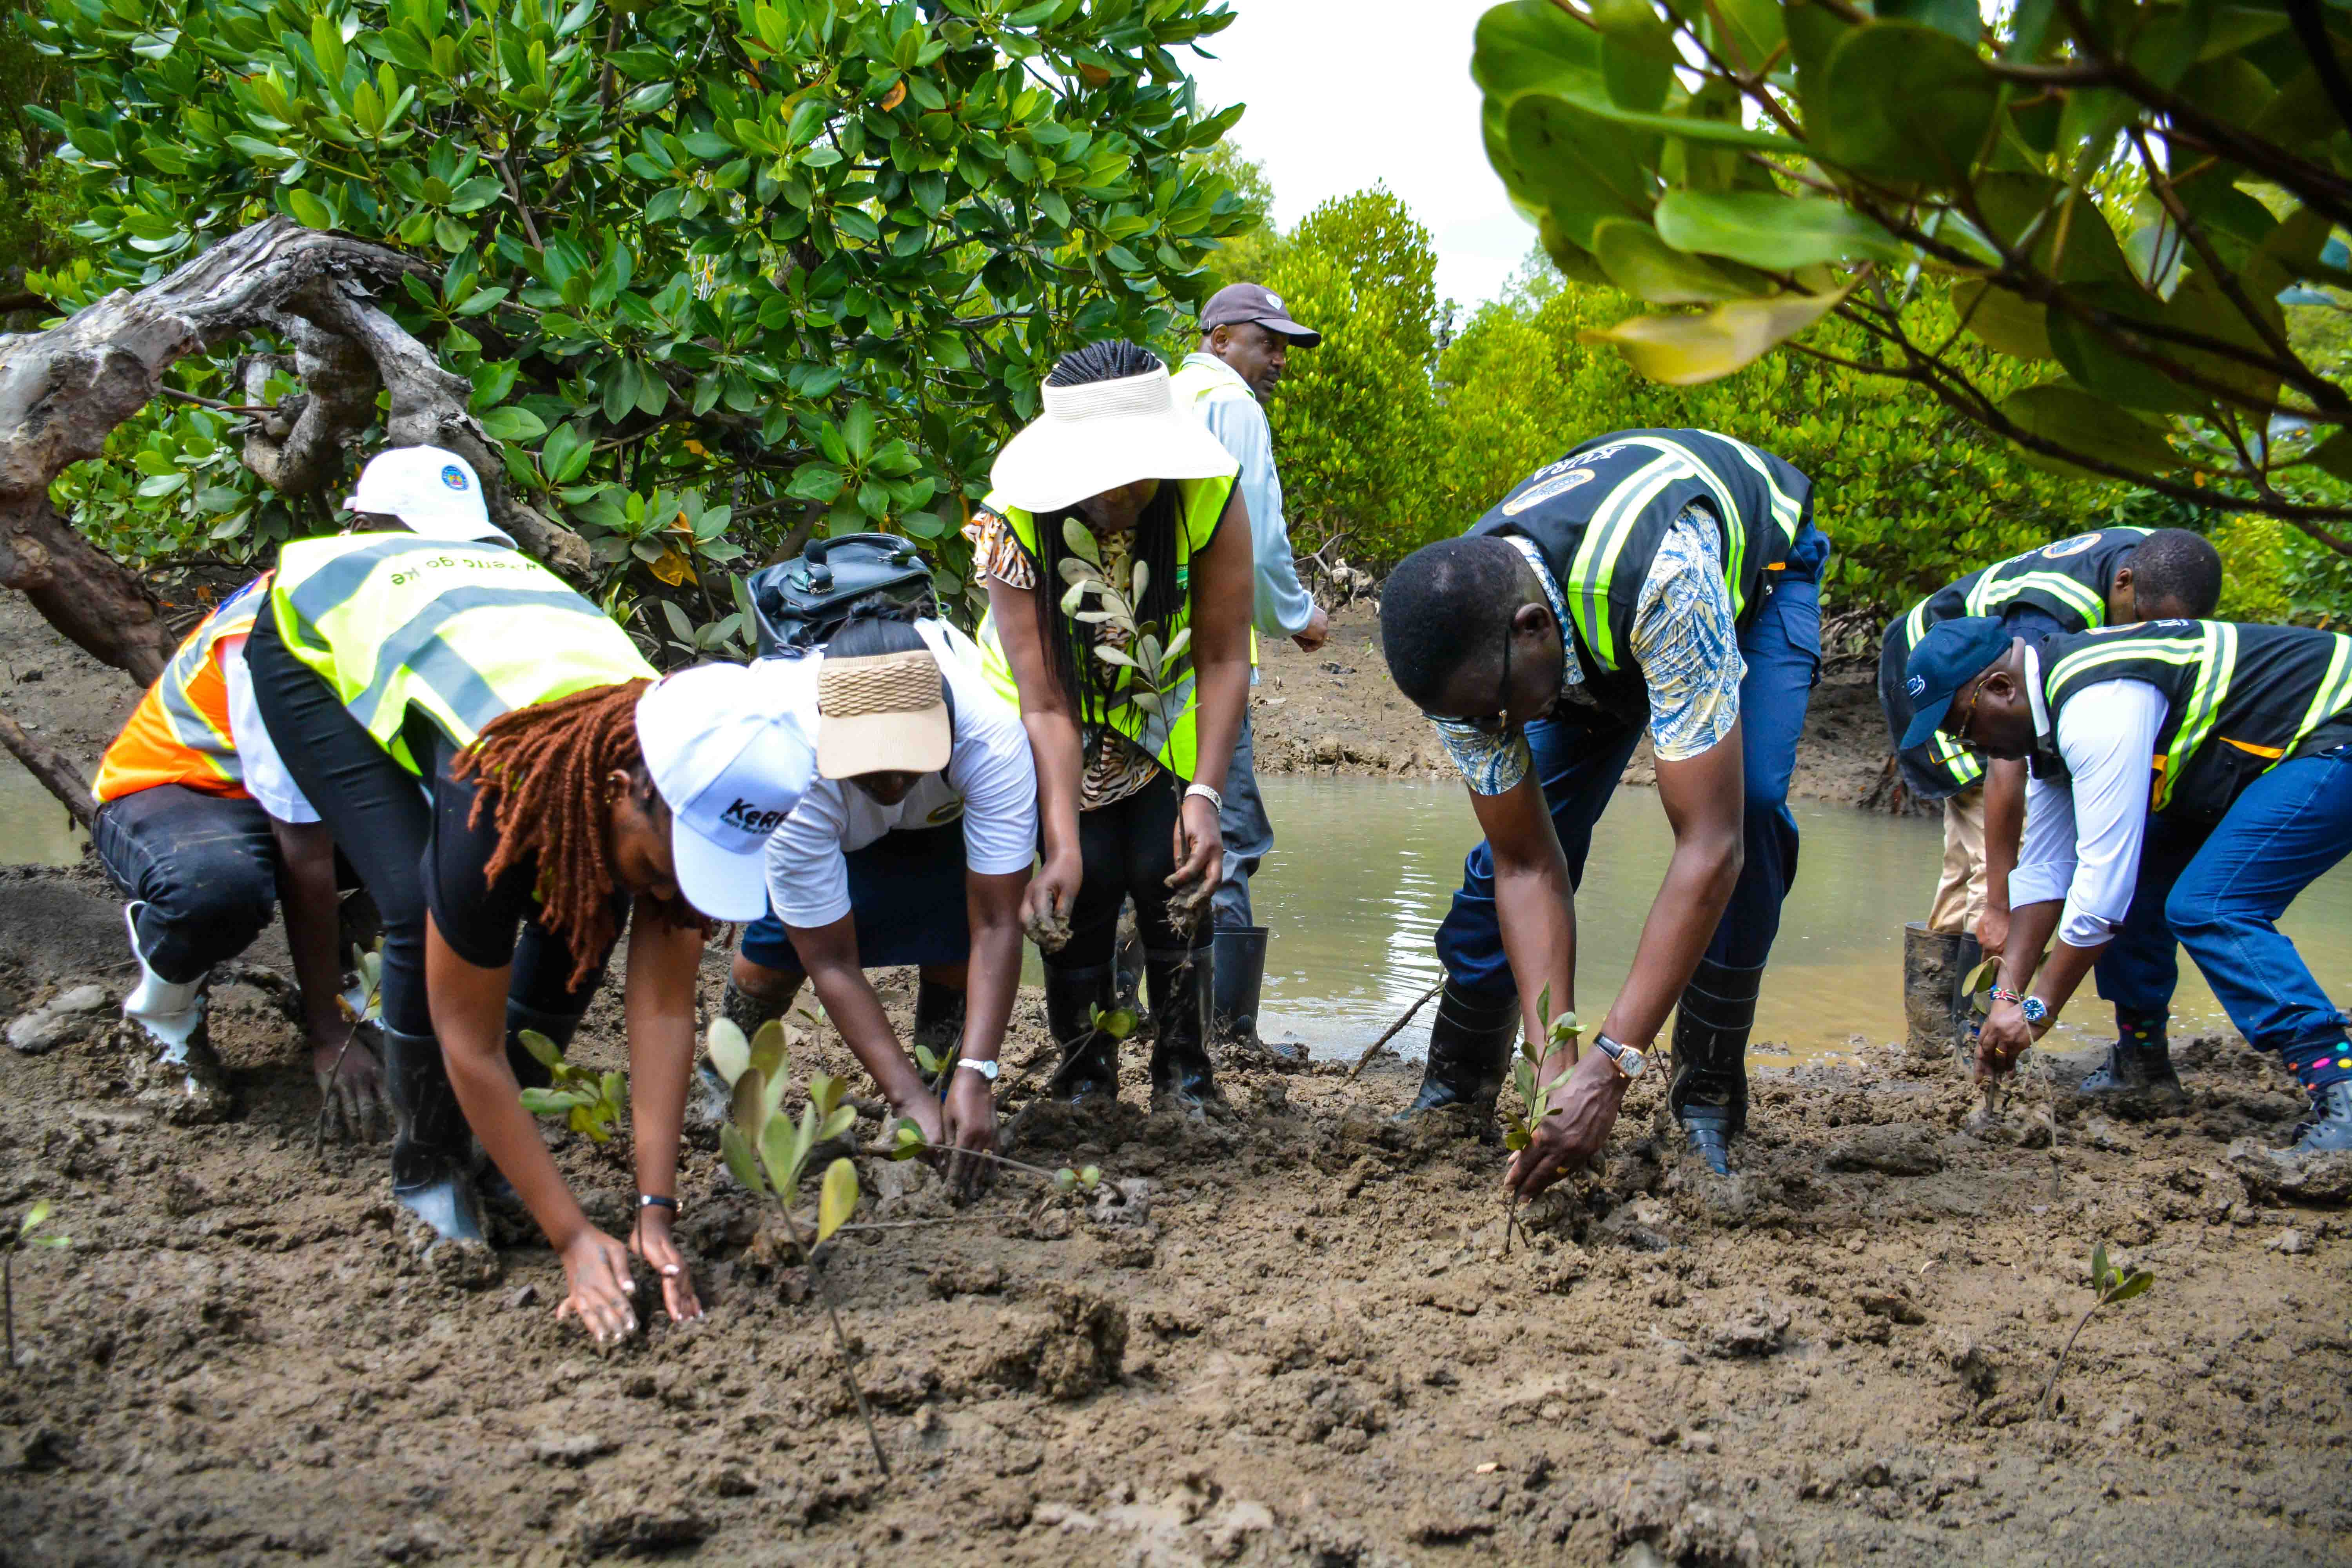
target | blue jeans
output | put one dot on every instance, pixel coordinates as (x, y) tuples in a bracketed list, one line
[(2141, 967), (907, 905), (1247, 834), (1580, 754), (206, 867), (2223, 897)]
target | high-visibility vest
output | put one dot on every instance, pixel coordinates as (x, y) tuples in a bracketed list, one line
[(1600, 514), (2239, 700), (1171, 734), (179, 733), (2067, 581), (461, 632)]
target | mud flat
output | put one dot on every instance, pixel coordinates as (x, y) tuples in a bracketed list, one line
[(1299, 1340)]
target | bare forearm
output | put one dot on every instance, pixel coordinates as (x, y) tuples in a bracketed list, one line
[(856, 1012), (994, 975), (1223, 691), (1054, 747), (307, 853), (659, 1008), (2004, 809), (1537, 908), (1681, 922), (2030, 931)]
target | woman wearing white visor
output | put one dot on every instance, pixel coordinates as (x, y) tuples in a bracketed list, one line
[(564, 793)]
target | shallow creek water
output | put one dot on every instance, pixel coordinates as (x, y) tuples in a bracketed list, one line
[(1365, 868), (35, 829)]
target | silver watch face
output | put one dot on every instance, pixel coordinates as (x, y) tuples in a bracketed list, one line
[(985, 1070)]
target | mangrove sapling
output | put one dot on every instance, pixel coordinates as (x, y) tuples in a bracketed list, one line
[(589, 1102), (2108, 1284), (1535, 1099), (905, 1141), (768, 1153), (35, 1217)]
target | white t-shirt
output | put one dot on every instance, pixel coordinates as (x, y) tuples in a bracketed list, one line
[(990, 782), (266, 778)]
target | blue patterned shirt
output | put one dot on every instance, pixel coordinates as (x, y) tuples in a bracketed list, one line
[(1685, 639)]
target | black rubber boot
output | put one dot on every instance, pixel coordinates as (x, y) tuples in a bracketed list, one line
[(2328, 1129), (1469, 1046), (1181, 1076), (939, 1017), (2139, 1063), (1965, 962), (1708, 1093), (1088, 1073), (1240, 975), (432, 1148)]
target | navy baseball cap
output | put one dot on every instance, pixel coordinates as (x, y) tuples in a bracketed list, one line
[(1952, 654)]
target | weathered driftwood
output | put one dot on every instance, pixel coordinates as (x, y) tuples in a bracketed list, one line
[(63, 390)]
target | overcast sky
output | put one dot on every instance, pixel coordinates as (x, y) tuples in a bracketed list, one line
[(1342, 93)]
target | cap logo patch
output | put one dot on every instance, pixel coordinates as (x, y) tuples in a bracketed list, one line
[(1916, 686), (1545, 489), (453, 476), (1275, 299), (746, 818), (2065, 547)]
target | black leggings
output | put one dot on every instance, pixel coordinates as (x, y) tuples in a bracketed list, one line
[(386, 827), (1129, 848)]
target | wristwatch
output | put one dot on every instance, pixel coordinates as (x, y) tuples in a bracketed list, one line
[(1630, 1062), (2034, 1008), (985, 1070)]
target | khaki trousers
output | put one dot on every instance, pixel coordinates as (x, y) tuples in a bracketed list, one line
[(1960, 890)]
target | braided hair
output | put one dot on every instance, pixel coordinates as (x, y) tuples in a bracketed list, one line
[(1068, 642), (541, 771)]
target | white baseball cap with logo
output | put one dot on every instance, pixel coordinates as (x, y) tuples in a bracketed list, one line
[(732, 761), (434, 492)]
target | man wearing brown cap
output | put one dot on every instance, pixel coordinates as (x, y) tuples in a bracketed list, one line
[(1246, 335)]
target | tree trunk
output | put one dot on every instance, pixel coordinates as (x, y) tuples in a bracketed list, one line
[(59, 776), (64, 389)]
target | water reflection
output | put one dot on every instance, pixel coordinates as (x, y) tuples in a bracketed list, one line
[(1365, 868), (33, 829)]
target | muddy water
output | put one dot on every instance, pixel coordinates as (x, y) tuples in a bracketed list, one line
[(1365, 868), (33, 829)]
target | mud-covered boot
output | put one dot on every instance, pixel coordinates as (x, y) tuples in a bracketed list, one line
[(709, 1099), (2328, 1129), (1089, 1072), (939, 1024), (1181, 1077), (432, 1148), (1966, 961), (1708, 1092), (164, 1027), (1936, 1027), (1469, 1046), (2138, 1068), (1238, 978)]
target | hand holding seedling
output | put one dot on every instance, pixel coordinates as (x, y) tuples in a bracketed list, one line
[(351, 1102), (2006, 1036), (967, 1130), (1569, 1106), (1200, 855), (651, 1240)]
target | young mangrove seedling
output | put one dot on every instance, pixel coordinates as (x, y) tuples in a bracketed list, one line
[(1535, 1099), (35, 1217), (588, 1102), (905, 1141), (2108, 1284), (768, 1153)]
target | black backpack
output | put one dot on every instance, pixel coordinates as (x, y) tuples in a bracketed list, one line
[(801, 603)]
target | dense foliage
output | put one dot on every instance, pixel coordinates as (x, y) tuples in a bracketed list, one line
[(2111, 197), (719, 273)]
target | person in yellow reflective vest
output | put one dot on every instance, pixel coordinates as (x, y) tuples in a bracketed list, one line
[(1115, 485), (514, 785)]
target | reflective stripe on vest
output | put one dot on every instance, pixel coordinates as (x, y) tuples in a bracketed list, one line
[(463, 632), (179, 733), (2213, 647), (1171, 735)]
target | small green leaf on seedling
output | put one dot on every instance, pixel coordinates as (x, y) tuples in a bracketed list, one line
[(825, 1091), (747, 1107), (779, 1154), (842, 1119), (837, 1199), (547, 1102), (736, 1149), (1090, 1177), (1066, 1179), (768, 1050), (541, 1049), (33, 1218), (730, 1053), (907, 1140)]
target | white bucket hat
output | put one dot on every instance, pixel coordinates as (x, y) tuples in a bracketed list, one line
[(1103, 434), (433, 491)]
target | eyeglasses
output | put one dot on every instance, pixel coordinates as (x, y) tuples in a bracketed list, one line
[(1968, 720)]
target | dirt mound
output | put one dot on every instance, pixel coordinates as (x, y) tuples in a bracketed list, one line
[(1292, 1334)]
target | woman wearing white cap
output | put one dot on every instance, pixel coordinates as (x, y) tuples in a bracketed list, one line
[(1126, 802), (564, 793)]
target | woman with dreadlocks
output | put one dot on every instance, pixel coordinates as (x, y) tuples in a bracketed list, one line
[(564, 791), (1114, 486)]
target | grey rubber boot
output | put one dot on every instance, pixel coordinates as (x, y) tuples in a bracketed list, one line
[(432, 1148), (1708, 1092), (1470, 1043), (2329, 1128), (1181, 1074), (1239, 976), (1934, 980)]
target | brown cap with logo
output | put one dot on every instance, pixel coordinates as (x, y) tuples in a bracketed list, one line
[(1237, 303)]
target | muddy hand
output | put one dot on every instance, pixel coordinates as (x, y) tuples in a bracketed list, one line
[(968, 1123), (2004, 1038), (1046, 907), (350, 1086), (597, 1285), (1200, 851), (651, 1240), (1584, 1110)]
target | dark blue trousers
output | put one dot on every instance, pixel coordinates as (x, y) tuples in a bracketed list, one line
[(1581, 751), (2224, 887)]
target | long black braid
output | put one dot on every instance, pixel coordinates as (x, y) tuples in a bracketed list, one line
[(1068, 643)]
